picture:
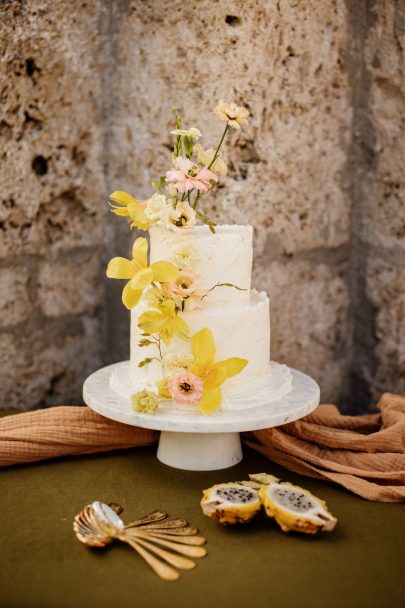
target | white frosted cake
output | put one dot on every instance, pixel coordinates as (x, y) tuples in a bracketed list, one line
[(200, 336), (239, 318)]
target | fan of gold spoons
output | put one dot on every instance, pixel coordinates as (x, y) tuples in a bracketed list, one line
[(99, 524)]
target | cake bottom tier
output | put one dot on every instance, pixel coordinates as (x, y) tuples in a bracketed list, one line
[(238, 332), (270, 386)]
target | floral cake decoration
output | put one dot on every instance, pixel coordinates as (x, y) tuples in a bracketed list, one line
[(171, 287)]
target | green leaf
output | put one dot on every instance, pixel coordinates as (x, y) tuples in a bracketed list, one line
[(206, 220), (145, 361), (157, 187), (177, 117), (145, 342), (188, 145), (177, 144)]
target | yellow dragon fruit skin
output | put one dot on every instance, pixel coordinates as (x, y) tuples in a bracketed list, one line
[(228, 514), (299, 523)]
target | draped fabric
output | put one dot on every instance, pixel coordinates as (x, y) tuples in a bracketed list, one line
[(365, 454)]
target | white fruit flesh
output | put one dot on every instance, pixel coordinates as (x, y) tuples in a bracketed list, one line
[(231, 503), (296, 509)]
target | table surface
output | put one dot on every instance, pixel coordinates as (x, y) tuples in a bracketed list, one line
[(42, 564)]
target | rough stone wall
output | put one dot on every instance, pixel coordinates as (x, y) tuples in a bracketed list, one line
[(385, 212), (375, 178), (51, 202), (88, 88)]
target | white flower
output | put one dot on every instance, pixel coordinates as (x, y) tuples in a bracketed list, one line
[(170, 216), (171, 189), (205, 157), (193, 132), (179, 217), (185, 255), (184, 286), (233, 114), (155, 207), (172, 361)]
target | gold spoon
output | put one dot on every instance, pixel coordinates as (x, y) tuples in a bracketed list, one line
[(99, 524)]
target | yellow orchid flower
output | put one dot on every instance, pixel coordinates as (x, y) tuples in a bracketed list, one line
[(130, 207), (163, 389), (139, 273), (165, 322), (213, 374)]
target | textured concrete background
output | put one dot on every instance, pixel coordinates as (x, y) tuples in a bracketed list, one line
[(86, 92)]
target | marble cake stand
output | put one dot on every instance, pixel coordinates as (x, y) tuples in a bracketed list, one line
[(194, 442)]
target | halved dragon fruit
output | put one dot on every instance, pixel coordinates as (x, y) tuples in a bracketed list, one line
[(292, 507), (231, 503)]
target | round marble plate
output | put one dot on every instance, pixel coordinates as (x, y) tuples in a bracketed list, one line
[(182, 443)]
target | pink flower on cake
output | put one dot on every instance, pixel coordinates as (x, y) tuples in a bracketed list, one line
[(187, 176), (185, 387)]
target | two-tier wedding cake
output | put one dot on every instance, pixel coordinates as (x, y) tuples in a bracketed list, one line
[(200, 336)]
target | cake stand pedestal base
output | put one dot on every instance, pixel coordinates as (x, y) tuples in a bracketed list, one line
[(194, 442), (199, 451)]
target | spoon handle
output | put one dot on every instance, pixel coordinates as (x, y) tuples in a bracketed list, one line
[(188, 550), (148, 519), (172, 523), (177, 561), (183, 540), (163, 570)]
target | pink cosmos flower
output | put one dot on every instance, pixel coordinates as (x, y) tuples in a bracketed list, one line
[(183, 178), (185, 387)]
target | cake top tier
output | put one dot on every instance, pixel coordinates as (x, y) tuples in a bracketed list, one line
[(223, 257)]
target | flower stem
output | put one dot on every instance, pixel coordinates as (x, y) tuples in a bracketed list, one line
[(158, 344), (197, 200), (223, 285), (214, 158), (219, 146)]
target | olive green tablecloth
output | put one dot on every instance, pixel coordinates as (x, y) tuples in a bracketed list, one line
[(42, 565)]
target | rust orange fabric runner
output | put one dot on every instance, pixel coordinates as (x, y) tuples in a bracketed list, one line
[(62, 431), (365, 454)]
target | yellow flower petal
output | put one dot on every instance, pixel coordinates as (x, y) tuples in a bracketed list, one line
[(210, 400), (168, 308), (122, 198), (164, 322), (141, 279), (203, 346), (163, 390), (120, 268), (122, 211), (130, 296), (139, 226), (164, 271), (137, 215), (140, 252), (150, 322), (167, 331), (231, 367), (214, 378), (182, 329)]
